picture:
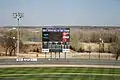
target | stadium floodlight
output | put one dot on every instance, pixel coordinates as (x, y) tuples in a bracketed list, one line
[(14, 28), (18, 16)]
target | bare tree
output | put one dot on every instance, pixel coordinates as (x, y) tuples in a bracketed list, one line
[(95, 37), (115, 46), (8, 41), (76, 42)]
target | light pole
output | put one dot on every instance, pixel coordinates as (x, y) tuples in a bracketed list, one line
[(14, 38), (101, 42), (18, 16), (99, 48), (33, 40), (89, 49)]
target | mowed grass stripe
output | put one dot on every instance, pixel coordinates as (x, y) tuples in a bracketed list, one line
[(66, 70), (34, 79), (117, 71), (75, 70), (29, 77), (60, 70), (111, 71), (29, 69), (50, 70), (50, 77), (62, 77), (9, 71), (86, 70), (70, 70), (57, 70), (36, 70), (106, 71), (98, 77), (89, 70), (54, 70), (95, 70), (63, 70), (76, 78), (60, 74), (91, 77), (67, 77), (71, 78), (81, 70), (108, 78), (102, 70), (53, 76), (85, 76)]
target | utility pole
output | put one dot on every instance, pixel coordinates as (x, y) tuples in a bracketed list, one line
[(18, 16)]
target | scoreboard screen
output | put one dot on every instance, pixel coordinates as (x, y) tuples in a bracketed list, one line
[(55, 39)]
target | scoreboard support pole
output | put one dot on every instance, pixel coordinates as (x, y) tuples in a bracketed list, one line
[(65, 55), (45, 55), (59, 55), (51, 55), (55, 55)]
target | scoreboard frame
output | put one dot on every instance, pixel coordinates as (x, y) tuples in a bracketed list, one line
[(50, 42)]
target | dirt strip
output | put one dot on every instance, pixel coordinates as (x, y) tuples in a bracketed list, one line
[(47, 65)]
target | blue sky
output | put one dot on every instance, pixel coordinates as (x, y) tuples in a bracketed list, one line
[(61, 12)]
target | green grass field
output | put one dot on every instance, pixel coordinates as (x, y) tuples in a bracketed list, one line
[(59, 74)]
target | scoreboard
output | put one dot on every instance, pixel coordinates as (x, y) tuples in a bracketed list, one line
[(55, 39)]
